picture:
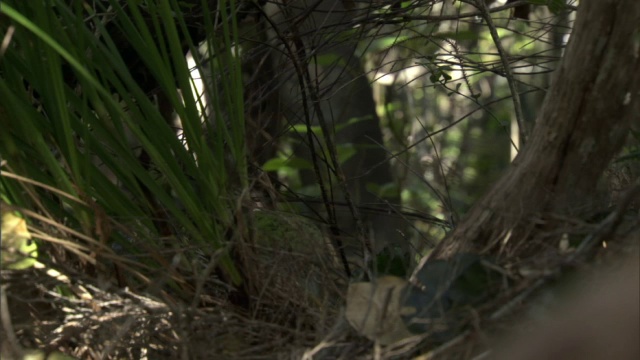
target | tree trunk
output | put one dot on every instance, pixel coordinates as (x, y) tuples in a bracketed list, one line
[(339, 95), (583, 122)]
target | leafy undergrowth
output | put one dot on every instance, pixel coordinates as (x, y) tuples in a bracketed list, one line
[(65, 305), (101, 305)]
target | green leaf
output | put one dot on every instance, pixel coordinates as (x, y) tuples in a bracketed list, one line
[(352, 121), (303, 128), (387, 42), (388, 190), (295, 163), (345, 152), (330, 59)]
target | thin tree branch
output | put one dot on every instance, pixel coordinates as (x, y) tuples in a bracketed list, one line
[(508, 74)]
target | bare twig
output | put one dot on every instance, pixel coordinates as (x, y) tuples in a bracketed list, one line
[(508, 74)]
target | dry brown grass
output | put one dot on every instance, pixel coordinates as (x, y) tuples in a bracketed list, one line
[(87, 315)]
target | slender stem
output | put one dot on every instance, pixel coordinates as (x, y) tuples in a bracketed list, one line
[(482, 6)]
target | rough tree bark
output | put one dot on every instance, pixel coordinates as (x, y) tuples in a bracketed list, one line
[(583, 122)]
